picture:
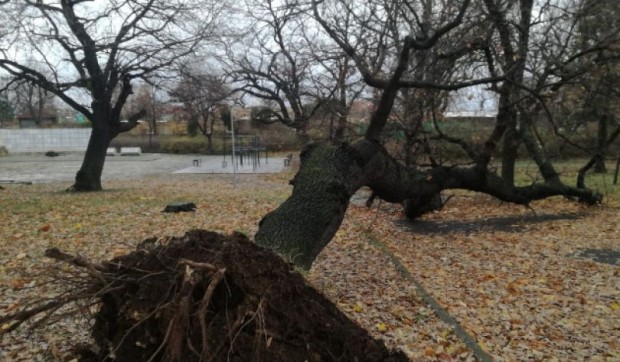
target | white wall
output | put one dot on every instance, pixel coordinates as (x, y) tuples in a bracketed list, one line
[(43, 140)]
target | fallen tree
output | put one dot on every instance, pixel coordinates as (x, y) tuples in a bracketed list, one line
[(329, 175)]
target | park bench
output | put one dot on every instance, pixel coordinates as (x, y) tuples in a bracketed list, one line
[(131, 151), (288, 159), (111, 151)]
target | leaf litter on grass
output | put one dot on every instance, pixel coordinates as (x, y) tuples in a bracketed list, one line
[(516, 291), (104, 225)]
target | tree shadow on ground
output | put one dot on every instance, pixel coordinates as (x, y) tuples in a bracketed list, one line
[(605, 256), (511, 224)]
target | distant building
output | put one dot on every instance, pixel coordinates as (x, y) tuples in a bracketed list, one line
[(43, 121), (480, 115), (243, 113)]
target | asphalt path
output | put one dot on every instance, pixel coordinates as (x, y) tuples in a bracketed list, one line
[(38, 168)]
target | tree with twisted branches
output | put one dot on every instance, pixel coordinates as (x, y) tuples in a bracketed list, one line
[(388, 36), (93, 52)]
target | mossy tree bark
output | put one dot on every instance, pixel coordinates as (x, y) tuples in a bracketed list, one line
[(329, 175), (301, 227)]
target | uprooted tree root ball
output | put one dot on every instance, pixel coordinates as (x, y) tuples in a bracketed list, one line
[(209, 297)]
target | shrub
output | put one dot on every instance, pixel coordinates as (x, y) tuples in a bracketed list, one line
[(183, 145)]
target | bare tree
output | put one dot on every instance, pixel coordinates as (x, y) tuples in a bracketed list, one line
[(334, 82), (202, 95), (540, 48), (277, 65), (31, 100), (599, 25), (460, 55), (6, 111), (382, 49), (147, 97), (95, 51)]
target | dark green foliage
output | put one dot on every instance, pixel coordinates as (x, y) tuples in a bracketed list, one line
[(192, 127), (184, 145), (6, 111)]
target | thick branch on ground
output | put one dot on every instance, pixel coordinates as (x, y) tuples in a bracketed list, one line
[(17, 319), (329, 175), (75, 260)]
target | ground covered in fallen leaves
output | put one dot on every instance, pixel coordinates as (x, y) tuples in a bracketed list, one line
[(512, 277)]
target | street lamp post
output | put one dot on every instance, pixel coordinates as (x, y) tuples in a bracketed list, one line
[(234, 156)]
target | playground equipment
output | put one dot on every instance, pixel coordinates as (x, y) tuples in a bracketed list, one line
[(243, 150)]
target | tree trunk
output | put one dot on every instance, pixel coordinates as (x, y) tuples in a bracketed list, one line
[(598, 157), (410, 141), (301, 131), (305, 223), (509, 154), (210, 143), (88, 178), (414, 208), (537, 152), (601, 145), (329, 175), (341, 125)]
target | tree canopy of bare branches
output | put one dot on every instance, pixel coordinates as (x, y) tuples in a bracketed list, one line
[(202, 95), (387, 45)]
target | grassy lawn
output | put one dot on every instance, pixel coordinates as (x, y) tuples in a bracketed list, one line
[(508, 275), (527, 171)]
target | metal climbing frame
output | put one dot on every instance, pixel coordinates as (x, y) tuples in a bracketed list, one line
[(246, 151)]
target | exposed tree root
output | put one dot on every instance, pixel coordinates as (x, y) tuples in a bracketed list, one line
[(206, 297)]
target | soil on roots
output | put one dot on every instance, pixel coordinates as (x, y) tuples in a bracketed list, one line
[(209, 297)]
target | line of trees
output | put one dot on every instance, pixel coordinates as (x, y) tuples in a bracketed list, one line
[(27, 99)]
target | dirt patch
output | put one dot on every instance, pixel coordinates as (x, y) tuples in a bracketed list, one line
[(205, 296)]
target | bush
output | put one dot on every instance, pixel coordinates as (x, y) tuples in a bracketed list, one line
[(183, 145), (3, 151)]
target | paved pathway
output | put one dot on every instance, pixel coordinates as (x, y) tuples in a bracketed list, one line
[(37, 168)]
